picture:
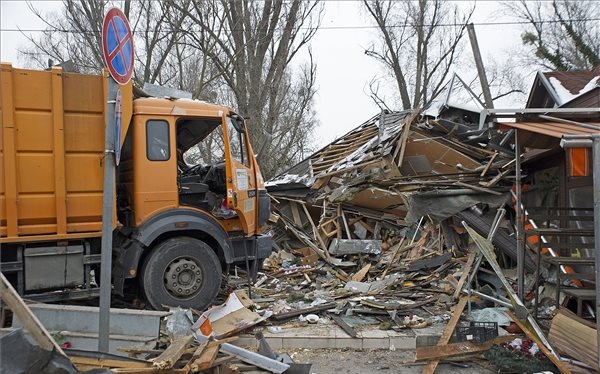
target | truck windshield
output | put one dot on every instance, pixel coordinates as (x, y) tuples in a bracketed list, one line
[(237, 143)]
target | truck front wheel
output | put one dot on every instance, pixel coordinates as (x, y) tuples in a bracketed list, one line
[(182, 272)]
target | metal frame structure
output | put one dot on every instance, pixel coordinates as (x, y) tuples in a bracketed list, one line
[(591, 140)]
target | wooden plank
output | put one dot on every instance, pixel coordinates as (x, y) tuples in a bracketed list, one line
[(197, 353), (555, 360), (137, 350), (173, 352), (205, 361), (465, 274), (438, 352), (346, 226), (28, 319), (314, 228), (401, 145), (341, 323), (294, 313), (149, 371), (359, 276), (489, 164), (296, 214), (109, 363), (395, 249), (447, 334)]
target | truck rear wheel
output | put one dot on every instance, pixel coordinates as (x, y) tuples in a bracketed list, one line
[(182, 272)]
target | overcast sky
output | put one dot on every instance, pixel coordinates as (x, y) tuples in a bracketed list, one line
[(343, 69)]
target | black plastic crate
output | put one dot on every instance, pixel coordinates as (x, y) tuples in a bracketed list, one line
[(479, 332)]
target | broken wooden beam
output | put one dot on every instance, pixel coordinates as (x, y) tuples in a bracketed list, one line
[(447, 334), (110, 362), (465, 274), (206, 358), (341, 323), (294, 313), (359, 276), (438, 352), (174, 351)]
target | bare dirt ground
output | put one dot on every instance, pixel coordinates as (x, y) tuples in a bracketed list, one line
[(339, 361)]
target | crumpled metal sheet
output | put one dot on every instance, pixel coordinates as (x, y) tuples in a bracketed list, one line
[(354, 246), (445, 204)]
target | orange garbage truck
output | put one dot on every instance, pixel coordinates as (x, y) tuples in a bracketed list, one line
[(189, 201)]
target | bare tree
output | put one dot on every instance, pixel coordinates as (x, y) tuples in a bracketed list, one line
[(162, 55), (235, 52), (419, 42), (563, 35), (71, 35), (253, 44)]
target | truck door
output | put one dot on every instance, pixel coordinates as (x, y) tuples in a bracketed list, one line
[(241, 178)]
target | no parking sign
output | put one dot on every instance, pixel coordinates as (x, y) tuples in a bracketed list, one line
[(117, 44)]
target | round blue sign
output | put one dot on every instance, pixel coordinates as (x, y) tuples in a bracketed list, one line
[(117, 44)]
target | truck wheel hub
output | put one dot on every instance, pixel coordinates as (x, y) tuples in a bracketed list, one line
[(183, 277)]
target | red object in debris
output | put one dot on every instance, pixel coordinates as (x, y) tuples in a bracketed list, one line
[(513, 328), (66, 345)]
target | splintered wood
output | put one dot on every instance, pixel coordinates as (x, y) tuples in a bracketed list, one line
[(447, 334)]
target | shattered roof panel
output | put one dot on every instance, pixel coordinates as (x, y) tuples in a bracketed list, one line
[(365, 142)]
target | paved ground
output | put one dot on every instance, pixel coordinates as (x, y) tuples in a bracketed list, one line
[(344, 361)]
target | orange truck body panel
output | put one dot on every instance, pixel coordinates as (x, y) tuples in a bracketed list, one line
[(51, 151)]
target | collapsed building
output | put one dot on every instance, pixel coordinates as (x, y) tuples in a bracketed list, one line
[(399, 194), (398, 219)]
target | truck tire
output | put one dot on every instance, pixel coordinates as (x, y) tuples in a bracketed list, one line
[(183, 272)]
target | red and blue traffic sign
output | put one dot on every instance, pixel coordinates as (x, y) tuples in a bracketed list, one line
[(117, 44)]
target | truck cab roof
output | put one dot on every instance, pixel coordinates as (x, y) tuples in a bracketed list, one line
[(186, 107)]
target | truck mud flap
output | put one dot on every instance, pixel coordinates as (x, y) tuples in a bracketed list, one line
[(502, 240)]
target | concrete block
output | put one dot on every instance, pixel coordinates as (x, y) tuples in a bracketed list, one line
[(403, 342), (348, 343), (376, 343), (375, 334), (312, 343)]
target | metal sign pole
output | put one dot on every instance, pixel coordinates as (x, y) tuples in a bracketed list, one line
[(596, 187), (107, 219)]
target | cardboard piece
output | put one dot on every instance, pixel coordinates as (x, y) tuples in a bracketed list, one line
[(227, 319)]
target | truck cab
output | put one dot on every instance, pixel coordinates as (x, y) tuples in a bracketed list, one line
[(188, 183)]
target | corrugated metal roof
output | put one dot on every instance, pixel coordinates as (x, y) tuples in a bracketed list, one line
[(554, 129)]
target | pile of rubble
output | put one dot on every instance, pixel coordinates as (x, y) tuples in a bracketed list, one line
[(387, 228), (383, 205), (378, 221)]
